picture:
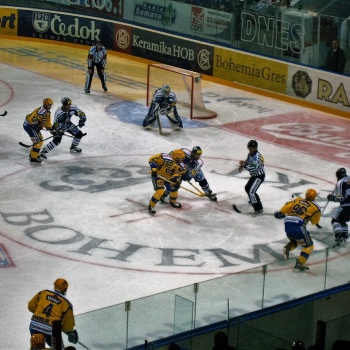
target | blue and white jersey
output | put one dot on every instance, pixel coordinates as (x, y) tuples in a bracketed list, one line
[(163, 100), (255, 164), (342, 191), (97, 56), (191, 163), (63, 118)]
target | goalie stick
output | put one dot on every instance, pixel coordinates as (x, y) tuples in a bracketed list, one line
[(161, 132), (3, 114)]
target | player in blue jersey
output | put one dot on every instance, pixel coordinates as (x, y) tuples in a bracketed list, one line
[(62, 123), (342, 215), (194, 163), (97, 57), (255, 164), (163, 103)]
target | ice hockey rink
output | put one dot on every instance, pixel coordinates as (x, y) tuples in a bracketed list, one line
[(84, 216)]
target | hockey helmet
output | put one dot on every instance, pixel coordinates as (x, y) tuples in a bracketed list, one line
[(178, 155), (252, 144), (98, 42), (37, 341), (298, 345), (340, 173), (47, 102), (197, 150), (310, 194), (61, 285), (66, 101), (166, 89)]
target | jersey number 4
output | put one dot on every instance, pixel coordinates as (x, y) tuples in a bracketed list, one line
[(47, 310)]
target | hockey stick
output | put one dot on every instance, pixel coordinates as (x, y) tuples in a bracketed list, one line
[(197, 189), (27, 146), (84, 346), (186, 189), (3, 114), (161, 132)]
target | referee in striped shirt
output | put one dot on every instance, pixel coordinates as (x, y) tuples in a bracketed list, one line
[(255, 165)]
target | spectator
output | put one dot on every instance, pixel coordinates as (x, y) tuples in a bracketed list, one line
[(221, 342), (336, 59)]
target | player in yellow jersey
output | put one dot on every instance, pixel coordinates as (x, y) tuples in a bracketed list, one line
[(297, 214), (170, 167), (34, 122), (51, 305)]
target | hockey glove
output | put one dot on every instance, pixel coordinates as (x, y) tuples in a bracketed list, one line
[(279, 215), (331, 198), (73, 337), (154, 173), (81, 123)]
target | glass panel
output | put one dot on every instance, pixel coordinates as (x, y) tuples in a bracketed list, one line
[(229, 296), (260, 341), (183, 318), (336, 273), (337, 330), (152, 317), (109, 324), (277, 289)]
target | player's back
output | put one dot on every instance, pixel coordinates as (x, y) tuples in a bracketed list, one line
[(303, 209), (49, 306)]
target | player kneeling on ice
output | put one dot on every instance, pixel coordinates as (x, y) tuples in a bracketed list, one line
[(62, 123), (296, 215), (167, 170), (342, 215), (163, 103)]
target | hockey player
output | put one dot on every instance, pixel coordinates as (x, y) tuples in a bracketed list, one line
[(342, 215), (170, 167), (33, 124), (62, 123), (256, 166), (51, 305), (97, 57), (297, 214), (163, 103), (194, 163)]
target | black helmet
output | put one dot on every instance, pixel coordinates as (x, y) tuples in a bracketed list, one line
[(197, 150), (340, 173), (98, 42), (66, 101), (298, 345), (253, 144)]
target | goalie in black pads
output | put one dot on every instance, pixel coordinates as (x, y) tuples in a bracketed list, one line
[(62, 123), (163, 103), (342, 215)]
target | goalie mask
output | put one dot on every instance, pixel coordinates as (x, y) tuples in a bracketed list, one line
[(166, 89), (310, 194)]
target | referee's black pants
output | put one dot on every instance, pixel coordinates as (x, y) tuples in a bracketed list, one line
[(251, 187)]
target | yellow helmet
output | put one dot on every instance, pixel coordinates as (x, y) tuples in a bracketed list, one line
[(61, 285), (37, 341), (47, 101), (310, 194), (178, 155)]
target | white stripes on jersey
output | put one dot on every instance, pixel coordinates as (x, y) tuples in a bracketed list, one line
[(97, 56), (255, 164)]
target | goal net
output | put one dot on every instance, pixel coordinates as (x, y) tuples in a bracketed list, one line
[(185, 84)]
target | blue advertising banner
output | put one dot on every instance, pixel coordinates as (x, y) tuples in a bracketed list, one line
[(66, 28), (172, 51)]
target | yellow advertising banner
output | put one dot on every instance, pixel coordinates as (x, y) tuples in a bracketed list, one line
[(8, 21), (249, 69)]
